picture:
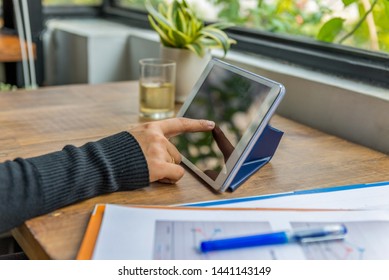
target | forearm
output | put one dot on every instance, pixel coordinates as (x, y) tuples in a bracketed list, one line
[(35, 186)]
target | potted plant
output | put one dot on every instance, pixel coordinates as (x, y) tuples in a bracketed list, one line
[(186, 39)]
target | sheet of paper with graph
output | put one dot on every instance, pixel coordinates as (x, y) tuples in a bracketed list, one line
[(175, 233)]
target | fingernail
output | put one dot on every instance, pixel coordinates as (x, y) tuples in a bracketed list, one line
[(210, 124)]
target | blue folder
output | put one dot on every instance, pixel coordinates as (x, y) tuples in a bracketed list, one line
[(261, 153)]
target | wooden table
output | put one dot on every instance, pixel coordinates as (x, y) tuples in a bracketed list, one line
[(44, 120)]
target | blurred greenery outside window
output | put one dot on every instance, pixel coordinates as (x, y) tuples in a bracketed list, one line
[(357, 23)]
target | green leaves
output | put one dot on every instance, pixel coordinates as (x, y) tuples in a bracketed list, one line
[(348, 2), (330, 29), (215, 38), (179, 27)]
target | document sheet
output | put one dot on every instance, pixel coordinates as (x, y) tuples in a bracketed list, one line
[(176, 233), (357, 197)]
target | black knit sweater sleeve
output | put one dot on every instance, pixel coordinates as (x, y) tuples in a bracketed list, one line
[(35, 186)]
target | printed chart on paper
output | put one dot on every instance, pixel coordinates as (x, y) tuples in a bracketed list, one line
[(181, 239)]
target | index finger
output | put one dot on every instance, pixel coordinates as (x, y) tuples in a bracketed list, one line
[(175, 126)]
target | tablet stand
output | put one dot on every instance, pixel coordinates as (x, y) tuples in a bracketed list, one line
[(261, 153)]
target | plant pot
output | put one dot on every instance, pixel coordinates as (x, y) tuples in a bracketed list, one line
[(189, 67)]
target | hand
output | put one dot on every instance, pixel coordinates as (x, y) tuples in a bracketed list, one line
[(162, 156)]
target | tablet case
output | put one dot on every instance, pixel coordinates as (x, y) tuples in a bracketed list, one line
[(261, 153)]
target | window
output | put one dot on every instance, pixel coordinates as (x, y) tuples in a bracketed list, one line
[(68, 2), (357, 23), (71, 8), (71, 2), (347, 37)]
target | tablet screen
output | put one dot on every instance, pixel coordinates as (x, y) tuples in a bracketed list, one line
[(238, 102)]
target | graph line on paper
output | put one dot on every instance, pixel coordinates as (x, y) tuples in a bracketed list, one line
[(199, 234), (180, 240)]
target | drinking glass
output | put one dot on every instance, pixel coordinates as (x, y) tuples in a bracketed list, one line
[(157, 88)]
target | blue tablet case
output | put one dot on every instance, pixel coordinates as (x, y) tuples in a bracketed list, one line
[(261, 153)]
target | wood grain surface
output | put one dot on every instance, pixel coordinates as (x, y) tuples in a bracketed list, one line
[(10, 49)]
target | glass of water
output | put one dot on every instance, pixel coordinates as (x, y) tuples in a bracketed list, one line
[(157, 88)]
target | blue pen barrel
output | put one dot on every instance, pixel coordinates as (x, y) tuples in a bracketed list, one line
[(244, 242)]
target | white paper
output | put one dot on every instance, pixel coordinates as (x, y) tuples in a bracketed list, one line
[(369, 197), (142, 233)]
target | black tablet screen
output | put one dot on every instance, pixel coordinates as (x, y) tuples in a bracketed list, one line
[(233, 101)]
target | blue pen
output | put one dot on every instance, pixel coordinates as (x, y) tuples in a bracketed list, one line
[(329, 232)]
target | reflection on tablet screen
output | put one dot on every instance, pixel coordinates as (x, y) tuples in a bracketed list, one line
[(233, 101)]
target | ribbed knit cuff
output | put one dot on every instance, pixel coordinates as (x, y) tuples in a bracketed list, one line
[(110, 164)]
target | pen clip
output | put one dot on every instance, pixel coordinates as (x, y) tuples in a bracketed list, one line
[(326, 233)]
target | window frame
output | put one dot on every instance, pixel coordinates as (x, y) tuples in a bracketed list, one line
[(348, 62), (71, 11)]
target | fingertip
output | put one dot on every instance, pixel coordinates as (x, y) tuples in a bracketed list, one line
[(209, 124), (175, 126), (189, 124), (205, 124)]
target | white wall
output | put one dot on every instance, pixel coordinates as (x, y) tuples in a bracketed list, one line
[(85, 51), (97, 51)]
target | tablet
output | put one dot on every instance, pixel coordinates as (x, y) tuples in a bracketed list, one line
[(241, 104)]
